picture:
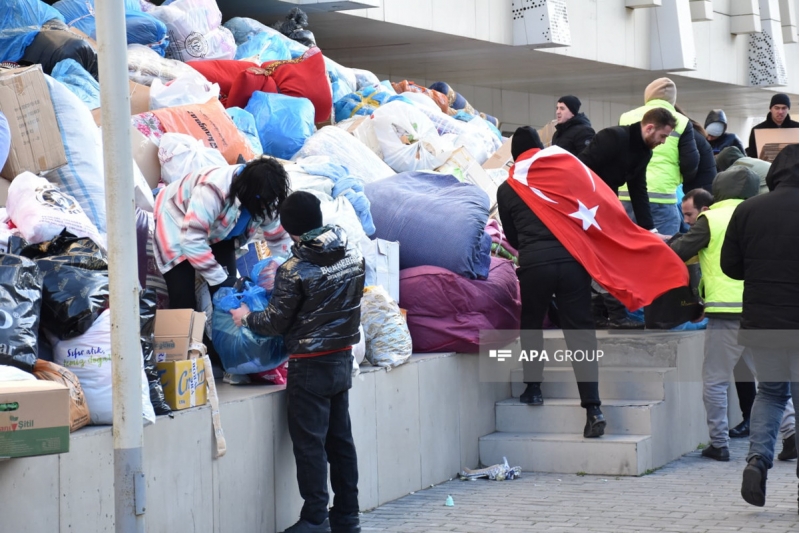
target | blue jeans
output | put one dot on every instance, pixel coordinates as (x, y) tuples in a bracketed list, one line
[(770, 403), (666, 219)]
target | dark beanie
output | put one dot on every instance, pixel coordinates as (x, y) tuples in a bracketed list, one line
[(780, 99), (524, 139), (572, 103), (300, 213)]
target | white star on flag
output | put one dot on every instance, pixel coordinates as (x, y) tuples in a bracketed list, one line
[(586, 215)]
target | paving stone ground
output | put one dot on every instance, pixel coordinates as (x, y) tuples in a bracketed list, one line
[(691, 494)]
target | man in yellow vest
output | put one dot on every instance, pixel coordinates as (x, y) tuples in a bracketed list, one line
[(722, 297), (673, 162)]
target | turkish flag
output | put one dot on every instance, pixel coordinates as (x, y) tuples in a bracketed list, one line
[(585, 215)]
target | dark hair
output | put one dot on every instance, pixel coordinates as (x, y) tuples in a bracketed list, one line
[(261, 187), (700, 198), (696, 125), (660, 118)]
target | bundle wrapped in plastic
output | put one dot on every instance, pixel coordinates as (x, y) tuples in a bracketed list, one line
[(243, 27), (79, 81), (343, 80), (346, 150), (409, 86), (181, 91), (364, 78), (283, 122), (21, 302), (388, 340), (181, 154), (502, 472), (145, 65), (56, 42), (20, 22), (262, 47), (294, 27), (246, 124), (364, 102), (195, 31), (459, 103)]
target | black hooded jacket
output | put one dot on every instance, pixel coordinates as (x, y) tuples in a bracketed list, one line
[(768, 124), (574, 135), (761, 248), (316, 303)]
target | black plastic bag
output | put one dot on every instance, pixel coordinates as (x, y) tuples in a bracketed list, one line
[(294, 27), (677, 306), (75, 283), (54, 43), (147, 323), (20, 304)]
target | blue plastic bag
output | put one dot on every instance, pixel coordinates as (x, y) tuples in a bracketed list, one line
[(243, 27), (265, 47), (283, 122), (240, 350), (20, 21), (246, 123), (81, 83)]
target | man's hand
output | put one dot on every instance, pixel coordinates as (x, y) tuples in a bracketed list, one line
[(239, 314)]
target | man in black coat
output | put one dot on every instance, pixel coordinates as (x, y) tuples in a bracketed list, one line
[(761, 248), (573, 129), (717, 135), (778, 117)]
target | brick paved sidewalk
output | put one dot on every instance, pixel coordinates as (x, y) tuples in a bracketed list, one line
[(691, 494)]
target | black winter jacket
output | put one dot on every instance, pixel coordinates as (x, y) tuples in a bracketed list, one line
[(768, 124), (316, 304), (761, 248), (706, 170), (526, 232), (574, 135), (619, 156), (725, 140)]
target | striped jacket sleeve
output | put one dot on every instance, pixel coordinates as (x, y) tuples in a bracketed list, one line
[(204, 207)]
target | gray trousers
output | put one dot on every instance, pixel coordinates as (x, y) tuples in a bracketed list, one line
[(722, 352)]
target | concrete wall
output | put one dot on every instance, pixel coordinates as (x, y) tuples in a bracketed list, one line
[(414, 426)]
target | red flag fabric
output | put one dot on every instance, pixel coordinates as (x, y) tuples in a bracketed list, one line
[(588, 219)]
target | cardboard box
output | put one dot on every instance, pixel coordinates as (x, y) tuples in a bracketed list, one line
[(140, 100), (383, 266), (466, 168), (546, 133), (184, 383), (4, 185), (769, 142), (34, 418), (145, 153), (501, 158), (178, 332), (35, 138)]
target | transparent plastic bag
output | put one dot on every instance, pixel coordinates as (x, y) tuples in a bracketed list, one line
[(182, 90), (408, 139), (388, 341), (181, 154), (145, 65)]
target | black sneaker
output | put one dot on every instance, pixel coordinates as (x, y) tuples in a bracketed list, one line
[(595, 424), (754, 482), (304, 526), (741, 431), (532, 394), (718, 454), (789, 450)]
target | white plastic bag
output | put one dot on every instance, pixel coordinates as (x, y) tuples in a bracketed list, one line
[(10, 373), (364, 78), (194, 30), (181, 91), (88, 356), (408, 138), (181, 154), (145, 65), (302, 181), (360, 349), (388, 338), (41, 211)]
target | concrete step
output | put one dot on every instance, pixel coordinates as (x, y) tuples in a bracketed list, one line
[(611, 455), (614, 383), (623, 417)]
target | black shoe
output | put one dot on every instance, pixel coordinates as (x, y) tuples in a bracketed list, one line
[(741, 431), (625, 323), (754, 482), (718, 454), (595, 425), (304, 526), (532, 394), (344, 523), (789, 450)]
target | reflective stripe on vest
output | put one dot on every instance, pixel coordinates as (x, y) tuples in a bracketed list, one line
[(663, 171), (720, 293)]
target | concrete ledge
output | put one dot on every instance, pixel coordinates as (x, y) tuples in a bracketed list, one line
[(414, 426)]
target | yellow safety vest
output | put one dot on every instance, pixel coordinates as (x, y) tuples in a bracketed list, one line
[(663, 171), (720, 293)]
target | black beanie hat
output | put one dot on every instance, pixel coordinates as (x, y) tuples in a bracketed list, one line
[(300, 213), (572, 103), (780, 99), (524, 139)]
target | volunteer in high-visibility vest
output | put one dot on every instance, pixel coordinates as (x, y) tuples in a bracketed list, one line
[(673, 163), (722, 297)]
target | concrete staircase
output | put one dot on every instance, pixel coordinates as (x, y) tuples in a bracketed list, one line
[(650, 386)]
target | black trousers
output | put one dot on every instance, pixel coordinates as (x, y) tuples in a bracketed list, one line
[(180, 280), (745, 388), (571, 285), (319, 425)]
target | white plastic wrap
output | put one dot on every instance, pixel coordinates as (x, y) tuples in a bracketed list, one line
[(181, 154), (346, 150), (181, 91), (194, 30), (364, 78), (387, 335), (302, 181), (408, 138), (145, 65)]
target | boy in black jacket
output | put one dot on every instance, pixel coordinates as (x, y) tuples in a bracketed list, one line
[(316, 307)]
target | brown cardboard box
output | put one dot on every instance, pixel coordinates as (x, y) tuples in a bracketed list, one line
[(546, 133), (35, 138), (769, 142), (145, 153), (501, 158), (178, 333), (4, 185), (471, 172), (140, 100), (34, 418), (184, 383)]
